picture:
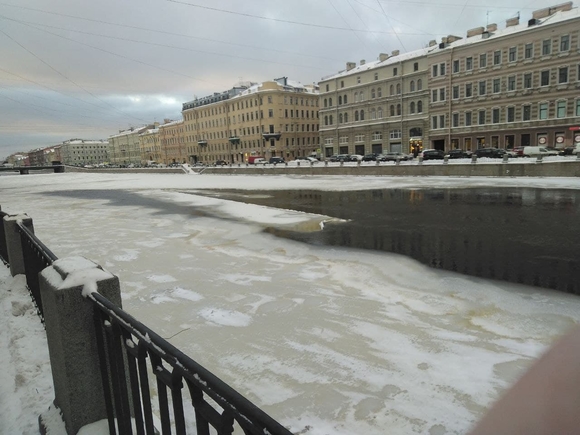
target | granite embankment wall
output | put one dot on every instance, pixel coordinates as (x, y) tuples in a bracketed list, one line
[(562, 168)]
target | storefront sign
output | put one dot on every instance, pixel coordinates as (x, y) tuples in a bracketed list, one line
[(560, 139), (542, 140)]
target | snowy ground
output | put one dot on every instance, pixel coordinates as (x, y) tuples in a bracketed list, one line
[(326, 340)]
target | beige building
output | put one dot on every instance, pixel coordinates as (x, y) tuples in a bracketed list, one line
[(274, 118), (125, 147), (515, 86), (172, 141), (376, 106), (150, 145)]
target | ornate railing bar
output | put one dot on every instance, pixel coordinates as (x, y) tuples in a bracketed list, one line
[(127, 343), (36, 257)]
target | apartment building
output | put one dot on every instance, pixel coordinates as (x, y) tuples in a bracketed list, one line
[(515, 86), (273, 118), (377, 106), (172, 142), (125, 147), (150, 145), (81, 152)]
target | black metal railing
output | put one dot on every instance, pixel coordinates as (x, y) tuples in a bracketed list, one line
[(125, 345), (3, 248), (36, 257)]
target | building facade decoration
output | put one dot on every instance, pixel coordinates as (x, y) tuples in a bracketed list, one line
[(80, 152)]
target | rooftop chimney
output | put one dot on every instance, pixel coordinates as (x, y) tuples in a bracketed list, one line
[(512, 22), (546, 12), (395, 53), (475, 32), (491, 27), (432, 43), (383, 57), (350, 65), (452, 38), (362, 61)]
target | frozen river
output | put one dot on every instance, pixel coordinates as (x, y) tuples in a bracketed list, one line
[(327, 340)]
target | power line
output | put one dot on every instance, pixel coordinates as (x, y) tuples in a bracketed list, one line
[(346, 22), (390, 24)]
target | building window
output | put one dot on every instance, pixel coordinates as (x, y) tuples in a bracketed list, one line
[(392, 110), (526, 112), (441, 121), (456, 66), (379, 92), (326, 120), (481, 117), (442, 94), (455, 120), (373, 94), (412, 86), (398, 88), (380, 112), (434, 122), (529, 51), (496, 86), (467, 119), (391, 90), (495, 116), (511, 114), (543, 110), (395, 134), (377, 135), (395, 71), (455, 92), (545, 78), (345, 120), (468, 90), (412, 107), (565, 43), (327, 88), (563, 75), (513, 54), (483, 60), (561, 109), (345, 100), (527, 80), (359, 138), (356, 115), (416, 66), (546, 47), (270, 113), (343, 139), (419, 107), (398, 110), (358, 80), (362, 115), (329, 103), (434, 95), (442, 69), (341, 85), (511, 83), (482, 89), (373, 114), (578, 107), (376, 76), (497, 57), (419, 85), (469, 64)]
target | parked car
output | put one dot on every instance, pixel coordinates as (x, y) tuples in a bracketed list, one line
[(538, 151), (393, 156), (458, 154), (355, 157), (220, 163), (343, 158), (493, 153), (276, 160), (306, 159), (371, 157), (433, 154), (568, 151), (517, 152)]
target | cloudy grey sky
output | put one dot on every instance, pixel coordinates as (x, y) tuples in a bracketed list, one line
[(87, 69)]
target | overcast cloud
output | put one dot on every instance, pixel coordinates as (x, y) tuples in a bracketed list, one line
[(81, 69)]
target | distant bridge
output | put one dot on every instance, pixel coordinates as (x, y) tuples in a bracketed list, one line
[(26, 169)]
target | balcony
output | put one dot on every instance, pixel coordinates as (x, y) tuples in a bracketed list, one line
[(202, 143), (268, 136), (234, 140)]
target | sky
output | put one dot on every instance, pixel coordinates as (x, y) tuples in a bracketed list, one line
[(327, 340), (86, 70)]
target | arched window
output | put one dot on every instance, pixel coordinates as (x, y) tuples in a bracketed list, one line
[(419, 85), (330, 119), (380, 113), (340, 118), (392, 110), (398, 91), (325, 103), (419, 107), (339, 100), (326, 120), (345, 100), (362, 96), (412, 107), (398, 111), (373, 94), (356, 97), (379, 92), (391, 90), (330, 102), (362, 115), (356, 115), (412, 86), (373, 114), (346, 117)]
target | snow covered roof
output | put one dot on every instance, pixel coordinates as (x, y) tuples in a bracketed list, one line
[(535, 23), (284, 83)]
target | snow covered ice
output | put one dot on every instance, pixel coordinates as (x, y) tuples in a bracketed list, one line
[(326, 340)]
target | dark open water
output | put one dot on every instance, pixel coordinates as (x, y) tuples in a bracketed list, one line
[(528, 236)]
